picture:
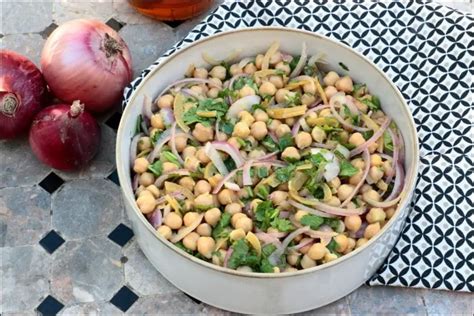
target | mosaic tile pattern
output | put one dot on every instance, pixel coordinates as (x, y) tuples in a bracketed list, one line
[(57, 254)]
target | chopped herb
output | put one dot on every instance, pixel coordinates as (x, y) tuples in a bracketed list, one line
[(226, 127), (156, 168), (262, 172), (367, 134), (282, 224), (226, 92), (155, 136), (257, 106), (313, 221), (284, 174), (343, 66), (293, 99), (170, 157), (181, 246), (332, 245), (218, 105), (265, 214), (347, 169), (314, 187), (387, 142), (280, 72), (219, 230), (317, 159), (310, 70), (265, 265), (138, 125), (354, 117), (262, 192), (294, 61), (269, 144), (334, 223), (285, 141), (230, 164), (360, 89), (371, 101), (244, 81), (242, 255)]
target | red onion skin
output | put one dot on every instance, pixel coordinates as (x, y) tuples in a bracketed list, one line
[(64, 141), (23, 93), (87, 60)]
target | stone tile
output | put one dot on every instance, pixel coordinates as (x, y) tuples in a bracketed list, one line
[(87, 208), (448, 303), (18, 165), (142, 276), (102, 164), (24, 215), (29, 45), (25, 17), (381, 300), (127, 14), (169, 304), (21, 313), (214, 311), (69, 10), (92, 309), (339, 307), (25, 272), (147, 42), (86, 271)]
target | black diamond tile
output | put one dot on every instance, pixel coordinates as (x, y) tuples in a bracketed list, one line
[(51, 183), (173, 24), (114, 120), (124, 299), (114, 178), (113, 23), (194, 299), (51, 241), (121, 235), (48, 30), (49, 306)]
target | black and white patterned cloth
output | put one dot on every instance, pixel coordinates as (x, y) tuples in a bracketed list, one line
[(426, 49)]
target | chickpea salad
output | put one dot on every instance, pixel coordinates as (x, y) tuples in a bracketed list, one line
[(267, 164)]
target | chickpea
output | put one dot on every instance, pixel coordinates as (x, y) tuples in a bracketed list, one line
[(203, 133), (165, 101), (277, 81), (283, 67), (290, 269), (244, 223), (235, 70), (154, 190), (218, 72), (350, 245), (188, 206), (198, 89), (292, 259), (371, 195), (311, 119), (360, 242), (237, 234), (260, 116), (173, 220), (204, 200), (335, 183), (330, 257), (355, 179), (276, 58), (299, 214), (189, 151), (344, 191), (365, 188), (259, 60), (318, 134), (278, 197), (140, 165), (375, 160), (325, 113), (389, 212), (259, 130), (200, 73), (146, 179), (190, 217), (190, 241), (236, 217), (213, 93), (250, 69), (187, 182), (146, 203), (169, 166), (234, 142), (157, 121), (307, 99), (330, 78), (373, 147), (274, 125), (202, 156), (214, 180), (330, 91), (375, 214), (202, 186), (212, 216), (353, 222), (356, 139), (180, 142), (317, 251), (218, 258), (334, 201), (304, 250), (342, 242), (371, 230), (309, 87), (282, 129), (387, 167), (267, 88), (246, 117), (226, 196), (215, 83), (290, 153), (358, 163), (244, 269), (281, 95), (306, 262), (290, 121), (164, 231), (205, 246), (144, 192), (233, 208), (344, 84), (204, 229), (376, 173), (303, 140), (246, 91), (241, 130)]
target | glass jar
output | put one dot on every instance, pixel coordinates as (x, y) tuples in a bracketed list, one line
[(171, 10)]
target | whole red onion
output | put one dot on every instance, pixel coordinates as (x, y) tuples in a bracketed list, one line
[(64, 136), (23, 93), (87, 60)]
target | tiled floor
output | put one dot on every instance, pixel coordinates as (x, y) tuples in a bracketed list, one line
[(63, 245)]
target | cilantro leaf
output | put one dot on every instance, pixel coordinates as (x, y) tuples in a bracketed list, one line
[(347, 169), (242, 255), (313, 221), (265, 265), (264, 215), (367, 134), (387, 141), (226, 92), (285, 141), (226, 127), (282, 224), (334, 223), (244, 81), (317, 159), (360, 89), (284, 174), (294, 61), (155, 136), (156, 168), (170, 157), (181, 246), (138, 125), (205, 105), (262, 172), (218, 231), (332, 246), (372, 102), (269, 144)]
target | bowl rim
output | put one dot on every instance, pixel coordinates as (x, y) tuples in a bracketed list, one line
[(410, 179)]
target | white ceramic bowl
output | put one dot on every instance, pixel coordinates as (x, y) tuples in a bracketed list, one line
[(257, 292)]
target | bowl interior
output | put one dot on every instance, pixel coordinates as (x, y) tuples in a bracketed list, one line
[(252, 42)]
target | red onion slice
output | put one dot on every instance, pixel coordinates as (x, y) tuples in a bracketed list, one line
[(185, 231), (245, 61), (192, 93), (274, 258), (224, 180), (147, 107), (396, 148), (161, 179), (300, 65), (168, 116), (398, 185), (176, 195), (163, 139), (366, 157), (133, 148), (231, 151), (173, 144), (303, 243), (156, 218), (268, 239), (246, 178), (135, 182), (184, 82), (243, 104), (324, 236), (340, 99), (321, 145), (232, 186), (227, 256), (372, 139), (216, 159), (308, 209), (385, 204)]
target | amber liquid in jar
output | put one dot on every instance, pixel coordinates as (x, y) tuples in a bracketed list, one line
[(171, 10)]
